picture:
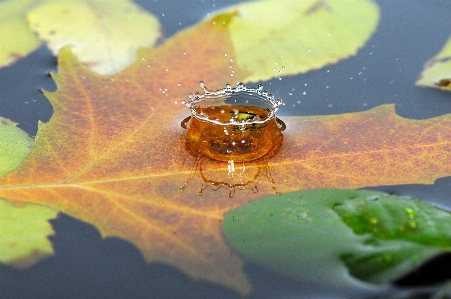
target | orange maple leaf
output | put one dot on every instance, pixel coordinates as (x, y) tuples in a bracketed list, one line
[(112, 155)]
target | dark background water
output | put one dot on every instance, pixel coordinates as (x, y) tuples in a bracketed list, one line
[(384, 71)]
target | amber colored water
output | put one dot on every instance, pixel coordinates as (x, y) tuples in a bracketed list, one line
[(233, 133)]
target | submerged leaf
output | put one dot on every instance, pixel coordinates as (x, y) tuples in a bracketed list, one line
[(437, 71), (314, 235), (274, 39), (23, 228), (16, 38), (105, 35)]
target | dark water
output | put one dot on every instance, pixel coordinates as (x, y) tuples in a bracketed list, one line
[(384, 71)]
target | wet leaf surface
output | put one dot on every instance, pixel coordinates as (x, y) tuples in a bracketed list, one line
[(437, 70), (24, 228), (323, 235)]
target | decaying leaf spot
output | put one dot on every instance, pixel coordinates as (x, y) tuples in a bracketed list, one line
[(321, 4), (444, 82), (437, 70)]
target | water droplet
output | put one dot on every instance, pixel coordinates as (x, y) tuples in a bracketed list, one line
[(290, 93), (387, 258), (373, 220), (304, 93), (175, 102), (143, 58), (410, 212), (226, 54), (179, 84)]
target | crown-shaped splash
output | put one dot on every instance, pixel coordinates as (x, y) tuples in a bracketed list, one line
[(236, 124), (239, 95)]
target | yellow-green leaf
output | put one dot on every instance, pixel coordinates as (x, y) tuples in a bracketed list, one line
[(16, 38), (103, 34), (23, 228), (437, 70), (276, 38), (23, 233), (14, 145)]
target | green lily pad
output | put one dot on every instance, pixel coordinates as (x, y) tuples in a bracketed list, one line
[(16, 37), (437, 70), (23, 228), (310, 35), (327, 234)]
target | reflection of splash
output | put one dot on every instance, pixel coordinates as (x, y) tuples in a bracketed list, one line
[(237, 175)]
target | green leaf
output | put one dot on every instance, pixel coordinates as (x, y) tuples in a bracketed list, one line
[(274, 38), (323, 235), (104, 35), (14, 145), (16, 38), (437, 70), (23, 228)]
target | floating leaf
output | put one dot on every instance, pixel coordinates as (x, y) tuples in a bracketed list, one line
[(273, 39), (114, 142), (14, 145), (437, 71), (113, 154), (315, 235), (16, 38), (24, 228), (104, 35)]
